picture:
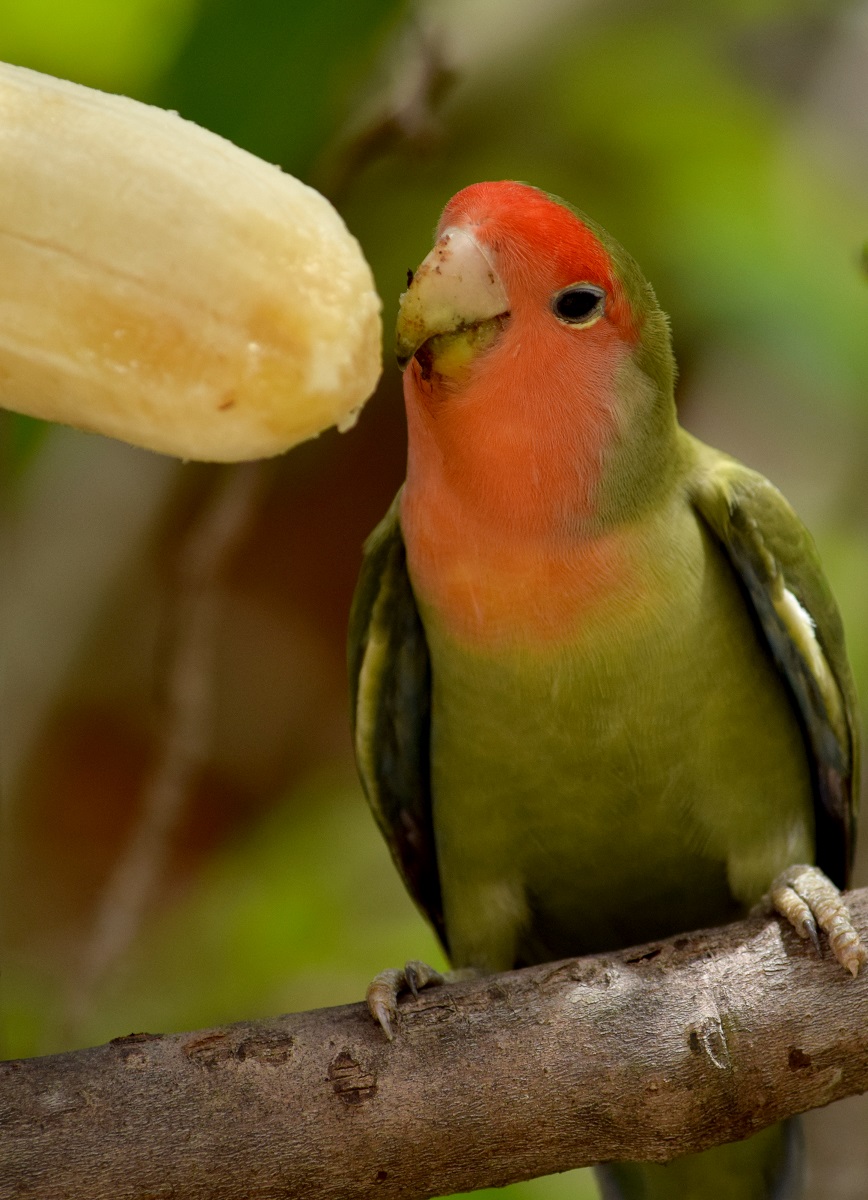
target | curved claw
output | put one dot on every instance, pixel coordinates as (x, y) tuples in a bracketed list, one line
[(384, 989), (811, 931), (808, 899)]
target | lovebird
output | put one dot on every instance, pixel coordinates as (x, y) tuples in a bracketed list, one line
[(600, 692)]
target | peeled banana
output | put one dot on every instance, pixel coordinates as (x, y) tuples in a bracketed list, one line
[(164, 287)]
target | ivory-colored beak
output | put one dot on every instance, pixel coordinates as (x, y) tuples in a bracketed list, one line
[(455, 288)]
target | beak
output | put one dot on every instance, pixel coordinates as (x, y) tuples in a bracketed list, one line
[(455, 289)]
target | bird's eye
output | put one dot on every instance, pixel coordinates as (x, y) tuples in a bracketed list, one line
[(579, 304)]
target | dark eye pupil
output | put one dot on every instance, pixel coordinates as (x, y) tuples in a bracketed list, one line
[(574, 304)]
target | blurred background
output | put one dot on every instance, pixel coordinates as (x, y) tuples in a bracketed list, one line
[(184, 841)]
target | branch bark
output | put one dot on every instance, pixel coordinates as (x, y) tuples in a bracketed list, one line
[(645, 1054)]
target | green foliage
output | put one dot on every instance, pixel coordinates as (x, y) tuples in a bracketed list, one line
[(572, 1185), (291, 917), (116, 47), (276, 77), (20, 438)]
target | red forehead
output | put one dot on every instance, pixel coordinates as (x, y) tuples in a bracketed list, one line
[(520, 220)]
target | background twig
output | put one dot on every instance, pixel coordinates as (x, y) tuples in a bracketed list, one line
[(203, 557)]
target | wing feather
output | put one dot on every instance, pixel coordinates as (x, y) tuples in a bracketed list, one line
[(775, 558), (390, 684)]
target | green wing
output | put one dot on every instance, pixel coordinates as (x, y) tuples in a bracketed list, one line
[(776, 561), (390, 692)]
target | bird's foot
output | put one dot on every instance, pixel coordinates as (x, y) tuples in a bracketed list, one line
[(385, 988), (808, 899)]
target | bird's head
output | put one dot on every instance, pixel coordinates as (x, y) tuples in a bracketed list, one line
[(538, 369), (515, 270)]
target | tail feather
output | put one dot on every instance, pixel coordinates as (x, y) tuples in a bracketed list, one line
[(767, 1166)]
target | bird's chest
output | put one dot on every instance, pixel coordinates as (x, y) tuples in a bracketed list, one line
[(607, 745), (565, 680)]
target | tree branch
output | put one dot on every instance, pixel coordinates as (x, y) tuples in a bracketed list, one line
[(645, 1054)]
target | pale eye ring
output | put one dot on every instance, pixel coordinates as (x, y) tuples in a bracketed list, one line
[(579, 304)]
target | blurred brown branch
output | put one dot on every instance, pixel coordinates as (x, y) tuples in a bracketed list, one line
[(203, 558), (405, 113), (645, 1054)]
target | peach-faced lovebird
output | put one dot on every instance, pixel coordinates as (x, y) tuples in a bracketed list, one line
[(600, 690)]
